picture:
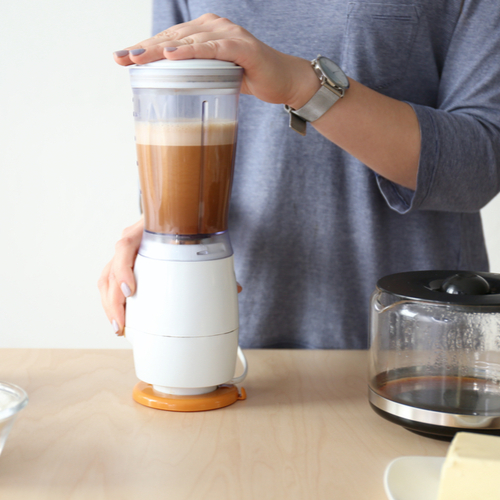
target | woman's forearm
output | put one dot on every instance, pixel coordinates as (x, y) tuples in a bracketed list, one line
[(381, 132)]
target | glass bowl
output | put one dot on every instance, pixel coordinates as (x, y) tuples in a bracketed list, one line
[(12, 400)]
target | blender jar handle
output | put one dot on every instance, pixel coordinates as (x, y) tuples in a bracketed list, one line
[(238, 380)]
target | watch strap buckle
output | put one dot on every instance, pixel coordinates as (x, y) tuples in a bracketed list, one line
[(296, 122)]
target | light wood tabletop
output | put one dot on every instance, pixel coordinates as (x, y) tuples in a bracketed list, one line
[(305, 431)]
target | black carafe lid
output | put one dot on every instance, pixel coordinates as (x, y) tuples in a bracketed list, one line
[(449, 287)]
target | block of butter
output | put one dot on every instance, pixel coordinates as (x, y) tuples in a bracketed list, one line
[(471, 470)]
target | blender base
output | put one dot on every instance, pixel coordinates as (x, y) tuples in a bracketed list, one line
[(224, 395)]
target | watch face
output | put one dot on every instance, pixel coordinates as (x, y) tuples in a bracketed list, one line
[(333, 72)]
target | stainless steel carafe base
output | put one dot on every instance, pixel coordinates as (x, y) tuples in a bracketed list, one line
[(434, 423)]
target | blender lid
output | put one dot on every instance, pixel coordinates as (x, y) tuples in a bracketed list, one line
[(448, 287), (186, 74)]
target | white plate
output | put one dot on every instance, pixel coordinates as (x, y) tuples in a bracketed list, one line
[(413, 478)]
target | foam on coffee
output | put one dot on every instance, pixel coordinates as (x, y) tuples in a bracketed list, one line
[(185, 133), (186, 172)]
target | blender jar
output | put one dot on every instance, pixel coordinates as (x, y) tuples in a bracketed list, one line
[(435, 351), (185, 129)]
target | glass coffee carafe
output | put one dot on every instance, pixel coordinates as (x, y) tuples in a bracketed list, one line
[(435, 351)]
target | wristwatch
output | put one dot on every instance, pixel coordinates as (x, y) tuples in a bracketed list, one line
[(334, 83)]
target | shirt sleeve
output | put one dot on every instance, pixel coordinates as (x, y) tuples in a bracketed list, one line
[(167, 13), (459, 167)]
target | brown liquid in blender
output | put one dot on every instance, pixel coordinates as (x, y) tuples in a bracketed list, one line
[(461, 395), (185, 172)]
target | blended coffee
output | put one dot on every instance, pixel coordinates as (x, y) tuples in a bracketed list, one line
[(186, 172)]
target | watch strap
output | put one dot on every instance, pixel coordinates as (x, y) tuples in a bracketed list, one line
[(313, 109), (318, 105)]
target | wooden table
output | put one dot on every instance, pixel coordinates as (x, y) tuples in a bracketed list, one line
[(306, 431)]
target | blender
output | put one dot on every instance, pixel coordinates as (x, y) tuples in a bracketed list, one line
[(183, 320)]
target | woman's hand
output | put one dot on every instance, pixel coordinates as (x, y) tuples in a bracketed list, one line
[(270, 75), (117, 280)]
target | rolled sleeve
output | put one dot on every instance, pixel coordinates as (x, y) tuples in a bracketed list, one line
[(402, 199), (459, 166)]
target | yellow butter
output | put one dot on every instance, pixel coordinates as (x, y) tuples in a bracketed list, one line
[(471, 470)]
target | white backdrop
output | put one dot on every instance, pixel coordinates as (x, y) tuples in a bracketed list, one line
[(68, 180)]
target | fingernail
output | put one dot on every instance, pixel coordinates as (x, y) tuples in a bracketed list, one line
[(116, 328), (125, 289), (137, 52), (121, 53), (170, 49)]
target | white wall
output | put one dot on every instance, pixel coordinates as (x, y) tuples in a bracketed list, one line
[(67, 166), (491, 224)]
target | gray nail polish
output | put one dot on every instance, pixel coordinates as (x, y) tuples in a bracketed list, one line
[(170, 49), (116, 328), (121, 53), (126, 289), (137, 52)]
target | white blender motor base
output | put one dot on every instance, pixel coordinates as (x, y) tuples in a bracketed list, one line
[(182, 323), (176, 365)]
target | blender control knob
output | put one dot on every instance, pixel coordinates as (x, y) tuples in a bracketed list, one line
[(466, 284)]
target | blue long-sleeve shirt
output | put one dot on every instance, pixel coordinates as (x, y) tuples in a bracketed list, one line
[(312, 227)]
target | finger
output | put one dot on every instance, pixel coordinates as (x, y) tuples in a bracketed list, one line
[(116, 307), (148, 50), (219, 39), (104, 288), (239, 287), (222, 49), (123, 262), (123, 265), (187, 35), (145, 51), (157, 52), (110, 284), (141, 55), (178, 30), (202, 23), (192, 36)]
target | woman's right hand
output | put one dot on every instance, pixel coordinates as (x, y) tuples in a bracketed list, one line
[(117, 280), (270, 75)]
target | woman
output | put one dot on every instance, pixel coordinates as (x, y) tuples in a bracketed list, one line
[(390, 178)]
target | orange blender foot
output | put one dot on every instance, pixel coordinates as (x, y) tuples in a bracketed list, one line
[(224, 395)]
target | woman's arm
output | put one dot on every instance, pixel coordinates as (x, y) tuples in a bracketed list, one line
[(381, 132)]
